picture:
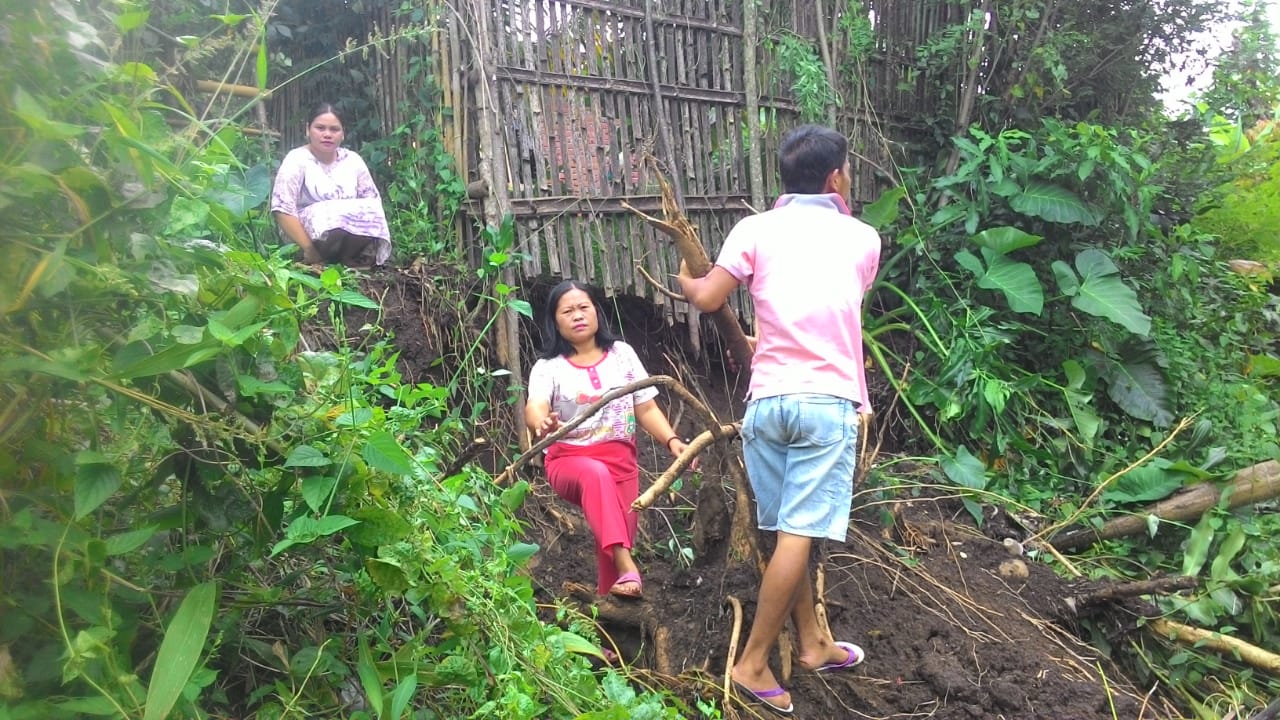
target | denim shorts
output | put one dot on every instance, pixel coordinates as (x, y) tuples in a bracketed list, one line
[(800, 451)]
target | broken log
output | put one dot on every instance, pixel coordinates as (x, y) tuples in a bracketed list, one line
[(1250, 485), (1249, 653), (676, 226), (1089, 595)]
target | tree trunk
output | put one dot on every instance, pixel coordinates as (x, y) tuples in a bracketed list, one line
[(1250, 485)]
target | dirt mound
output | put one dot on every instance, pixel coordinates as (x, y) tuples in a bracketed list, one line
[(955, 625)]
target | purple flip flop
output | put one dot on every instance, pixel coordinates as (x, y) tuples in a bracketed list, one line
[(856, 656), (761, 698)]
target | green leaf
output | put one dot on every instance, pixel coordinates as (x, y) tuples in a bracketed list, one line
[(1148, 483), (522, 307), (316, 491), (370, 680), (1080, 402), (964, 469), (513, 497), (1103, 294), (351, 297), (33, 114), (131, 20), (1197, 549), (1264, 366), (1139, 389), (1231, 546), (520, 552), (96, 481), (129, 541), (386, 575), (174, 357), (1068, 283), (884, 211), (306, 456), (384, 453), (180, 650), (330, 524), (261, 68), (1053, 203), (1016, 280), (574, 643), (403, 694), (378, 526), (1005, 240)]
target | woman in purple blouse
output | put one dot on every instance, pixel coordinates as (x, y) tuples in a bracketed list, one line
[(325, 201)]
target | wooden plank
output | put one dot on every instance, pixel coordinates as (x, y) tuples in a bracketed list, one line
[(622, 85), (569, 204)]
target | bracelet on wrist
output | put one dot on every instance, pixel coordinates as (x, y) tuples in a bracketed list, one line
[(673, 437)]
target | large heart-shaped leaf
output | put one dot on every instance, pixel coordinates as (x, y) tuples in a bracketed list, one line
[(881, 213), (1053, 203), (1005, 240), (1139, 389), (1016, 280), (1103, 294)]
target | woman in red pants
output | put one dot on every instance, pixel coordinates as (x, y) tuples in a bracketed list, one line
[(594, 466)]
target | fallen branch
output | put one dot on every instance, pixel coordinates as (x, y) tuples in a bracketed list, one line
[(1049, 531), (566, 427), (733, 646), (1094, 594), (697, 445), (1247, 652), (685, 236), (1250, 485)]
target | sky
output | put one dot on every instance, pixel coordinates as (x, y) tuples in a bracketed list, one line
[(1178, 91)]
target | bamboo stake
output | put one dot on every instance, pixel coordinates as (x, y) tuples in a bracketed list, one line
[(219, 88)]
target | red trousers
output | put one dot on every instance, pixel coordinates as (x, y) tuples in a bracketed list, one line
[(603, 480)]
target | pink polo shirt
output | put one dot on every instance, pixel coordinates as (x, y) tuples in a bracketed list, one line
[(807, 264)]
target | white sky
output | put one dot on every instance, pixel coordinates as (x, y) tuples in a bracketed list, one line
[(1177, 92)]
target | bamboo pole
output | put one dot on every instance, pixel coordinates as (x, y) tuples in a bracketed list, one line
[(751, 89), (220, 88)]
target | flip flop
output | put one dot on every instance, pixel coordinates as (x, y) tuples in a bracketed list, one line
[(761, 697), (625, 578), (856, 656)]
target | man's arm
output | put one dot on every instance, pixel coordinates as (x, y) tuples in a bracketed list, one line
[(708, 292)]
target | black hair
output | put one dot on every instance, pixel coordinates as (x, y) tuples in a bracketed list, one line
[(321, 109), (553, 343), (807, 156)]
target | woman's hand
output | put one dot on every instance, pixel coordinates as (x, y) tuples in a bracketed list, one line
[(677, 447), (549, 424)]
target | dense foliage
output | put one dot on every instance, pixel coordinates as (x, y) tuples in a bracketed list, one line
[(203, 515)]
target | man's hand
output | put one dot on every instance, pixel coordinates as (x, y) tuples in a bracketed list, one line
[(728, 354)]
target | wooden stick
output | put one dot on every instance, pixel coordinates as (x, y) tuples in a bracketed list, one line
[(733, 646), (1249, 653), (668, 478), (565, 427)]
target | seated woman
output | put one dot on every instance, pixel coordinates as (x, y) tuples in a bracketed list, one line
[(594, 466), (324, 199)]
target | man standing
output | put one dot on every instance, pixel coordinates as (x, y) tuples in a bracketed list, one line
[(807, 264)]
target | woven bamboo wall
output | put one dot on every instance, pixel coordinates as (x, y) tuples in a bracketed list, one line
[(559, 106), (579, 93)]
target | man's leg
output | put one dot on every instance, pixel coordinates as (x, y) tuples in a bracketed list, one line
[(816, 648), (780, 589)]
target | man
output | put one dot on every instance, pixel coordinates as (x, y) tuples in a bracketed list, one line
[(807, 265)]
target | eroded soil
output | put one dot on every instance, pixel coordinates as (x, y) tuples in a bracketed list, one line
[(955, 625)]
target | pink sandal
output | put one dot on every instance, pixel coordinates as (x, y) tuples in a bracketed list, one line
[(627, 579)]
